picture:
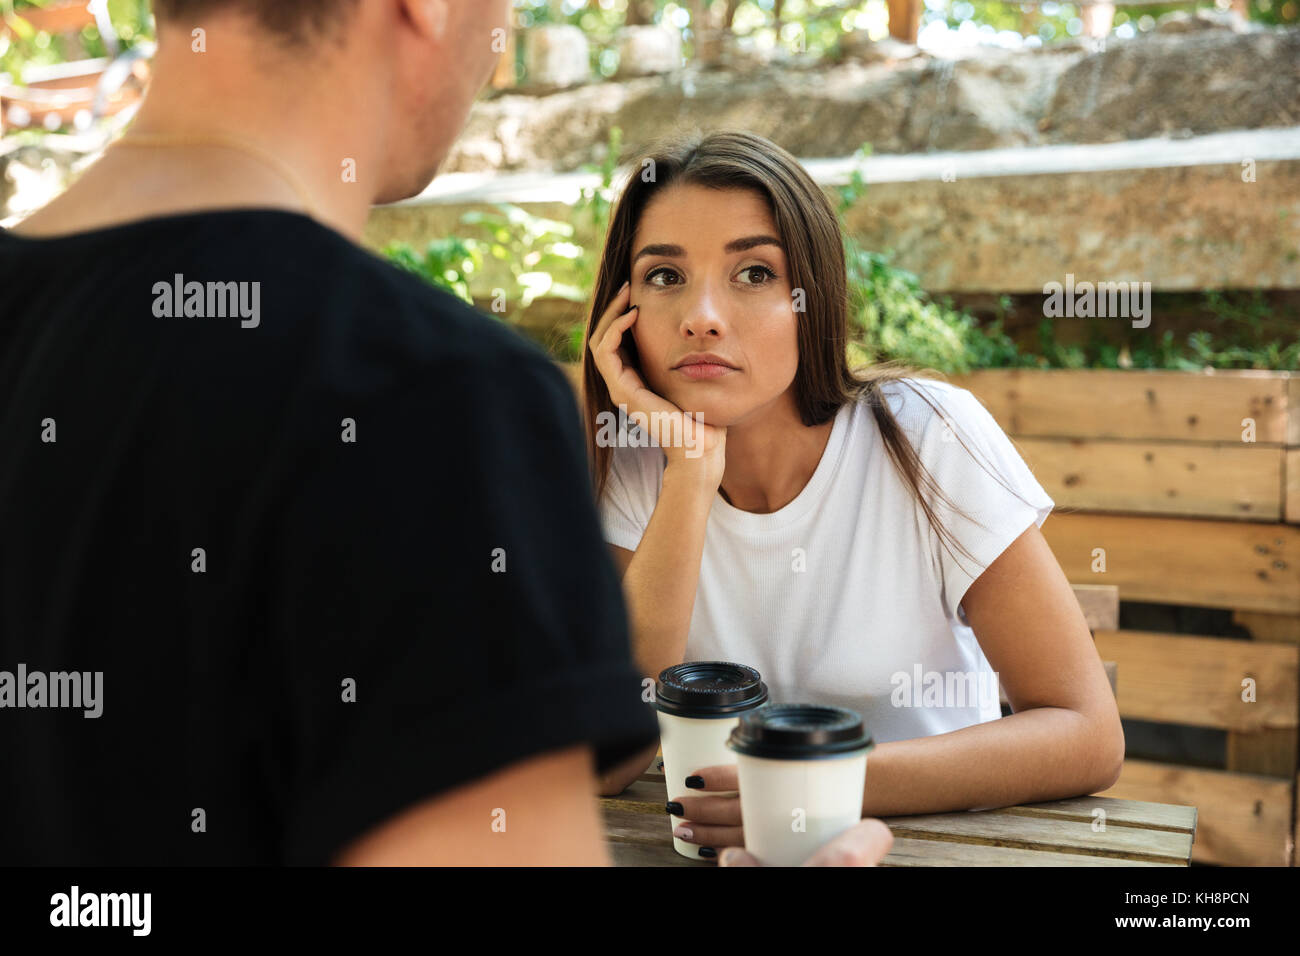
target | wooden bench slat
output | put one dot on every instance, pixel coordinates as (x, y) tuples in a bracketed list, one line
[(1242, 819), (1242, 481), (1230, 564), (1271, 751), (1197, 681), (1157, 404), (1291, 505), (1266, 626)]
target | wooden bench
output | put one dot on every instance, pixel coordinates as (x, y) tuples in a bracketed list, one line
[(1183, 488)]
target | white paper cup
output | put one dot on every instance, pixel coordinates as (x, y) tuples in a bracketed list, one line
[(802, 770), (699, 704)]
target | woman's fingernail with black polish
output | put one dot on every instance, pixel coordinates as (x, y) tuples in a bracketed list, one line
[(675, 808), (708, 852), (695, 783)]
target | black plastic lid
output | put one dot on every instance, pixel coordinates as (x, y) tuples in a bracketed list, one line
[(709, 689), (800, 732)]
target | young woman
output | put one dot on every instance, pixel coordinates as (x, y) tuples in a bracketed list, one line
[(867, 538)]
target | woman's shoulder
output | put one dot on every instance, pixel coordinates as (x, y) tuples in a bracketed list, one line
[(634, 462), (918, 402)]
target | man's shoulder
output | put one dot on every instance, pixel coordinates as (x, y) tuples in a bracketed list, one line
[(380, 316), (299, 308), (384, 298)]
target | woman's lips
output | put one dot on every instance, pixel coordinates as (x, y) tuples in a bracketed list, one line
[(703, 370)]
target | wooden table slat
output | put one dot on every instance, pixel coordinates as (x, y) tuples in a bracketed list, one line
[(1120, 813), (998, 828), (640, 854), (909, 852), (1130, 813)]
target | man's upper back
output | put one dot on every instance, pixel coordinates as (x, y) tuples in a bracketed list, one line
[(253, 481)]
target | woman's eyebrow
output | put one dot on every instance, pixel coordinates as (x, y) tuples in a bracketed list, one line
[(735, 245), (749, 242)]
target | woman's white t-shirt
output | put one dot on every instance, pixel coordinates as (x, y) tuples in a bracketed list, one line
[(846, 596)]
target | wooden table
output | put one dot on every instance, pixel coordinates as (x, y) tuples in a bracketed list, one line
[(1060, 833)]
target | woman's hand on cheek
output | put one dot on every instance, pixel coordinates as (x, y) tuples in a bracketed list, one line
[(613, 361), (687, 440), (710, 808)]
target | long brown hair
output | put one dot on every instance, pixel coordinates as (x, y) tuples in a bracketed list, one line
[(809, 230)]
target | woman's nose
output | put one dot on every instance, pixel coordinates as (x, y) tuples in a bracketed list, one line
[(703, 317)]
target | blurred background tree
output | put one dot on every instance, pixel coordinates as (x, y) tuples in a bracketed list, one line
[(817, 24), (812, 26), (21, 44)]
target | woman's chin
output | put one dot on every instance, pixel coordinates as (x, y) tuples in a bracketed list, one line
[(709, 412)]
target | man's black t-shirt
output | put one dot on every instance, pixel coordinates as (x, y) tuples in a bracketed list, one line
[(324, 533)]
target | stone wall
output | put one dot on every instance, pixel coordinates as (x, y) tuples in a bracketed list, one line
[(1225, 76)]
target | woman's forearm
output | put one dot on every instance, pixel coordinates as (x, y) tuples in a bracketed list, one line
[(1048, 753), (661, 580)]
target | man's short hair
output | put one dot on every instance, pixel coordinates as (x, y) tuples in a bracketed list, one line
[(292, 20)]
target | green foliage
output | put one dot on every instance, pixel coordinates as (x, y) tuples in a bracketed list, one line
[(536, 251), (893, 318), (447, 263), (539, 253), (1239, 339)]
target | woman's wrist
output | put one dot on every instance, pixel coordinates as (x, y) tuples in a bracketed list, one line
[(696, 474)]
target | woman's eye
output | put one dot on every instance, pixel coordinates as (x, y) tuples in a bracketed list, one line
[(667, 274), (760, 269)]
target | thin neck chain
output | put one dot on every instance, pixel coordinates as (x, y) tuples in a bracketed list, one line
[(230, 142)]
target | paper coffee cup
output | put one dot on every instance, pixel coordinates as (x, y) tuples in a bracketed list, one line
[(802, 770), (699, 703)]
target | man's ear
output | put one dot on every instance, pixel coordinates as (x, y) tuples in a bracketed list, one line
[(429, 17)]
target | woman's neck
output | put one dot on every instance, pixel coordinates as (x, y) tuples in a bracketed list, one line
[(771, 459)]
